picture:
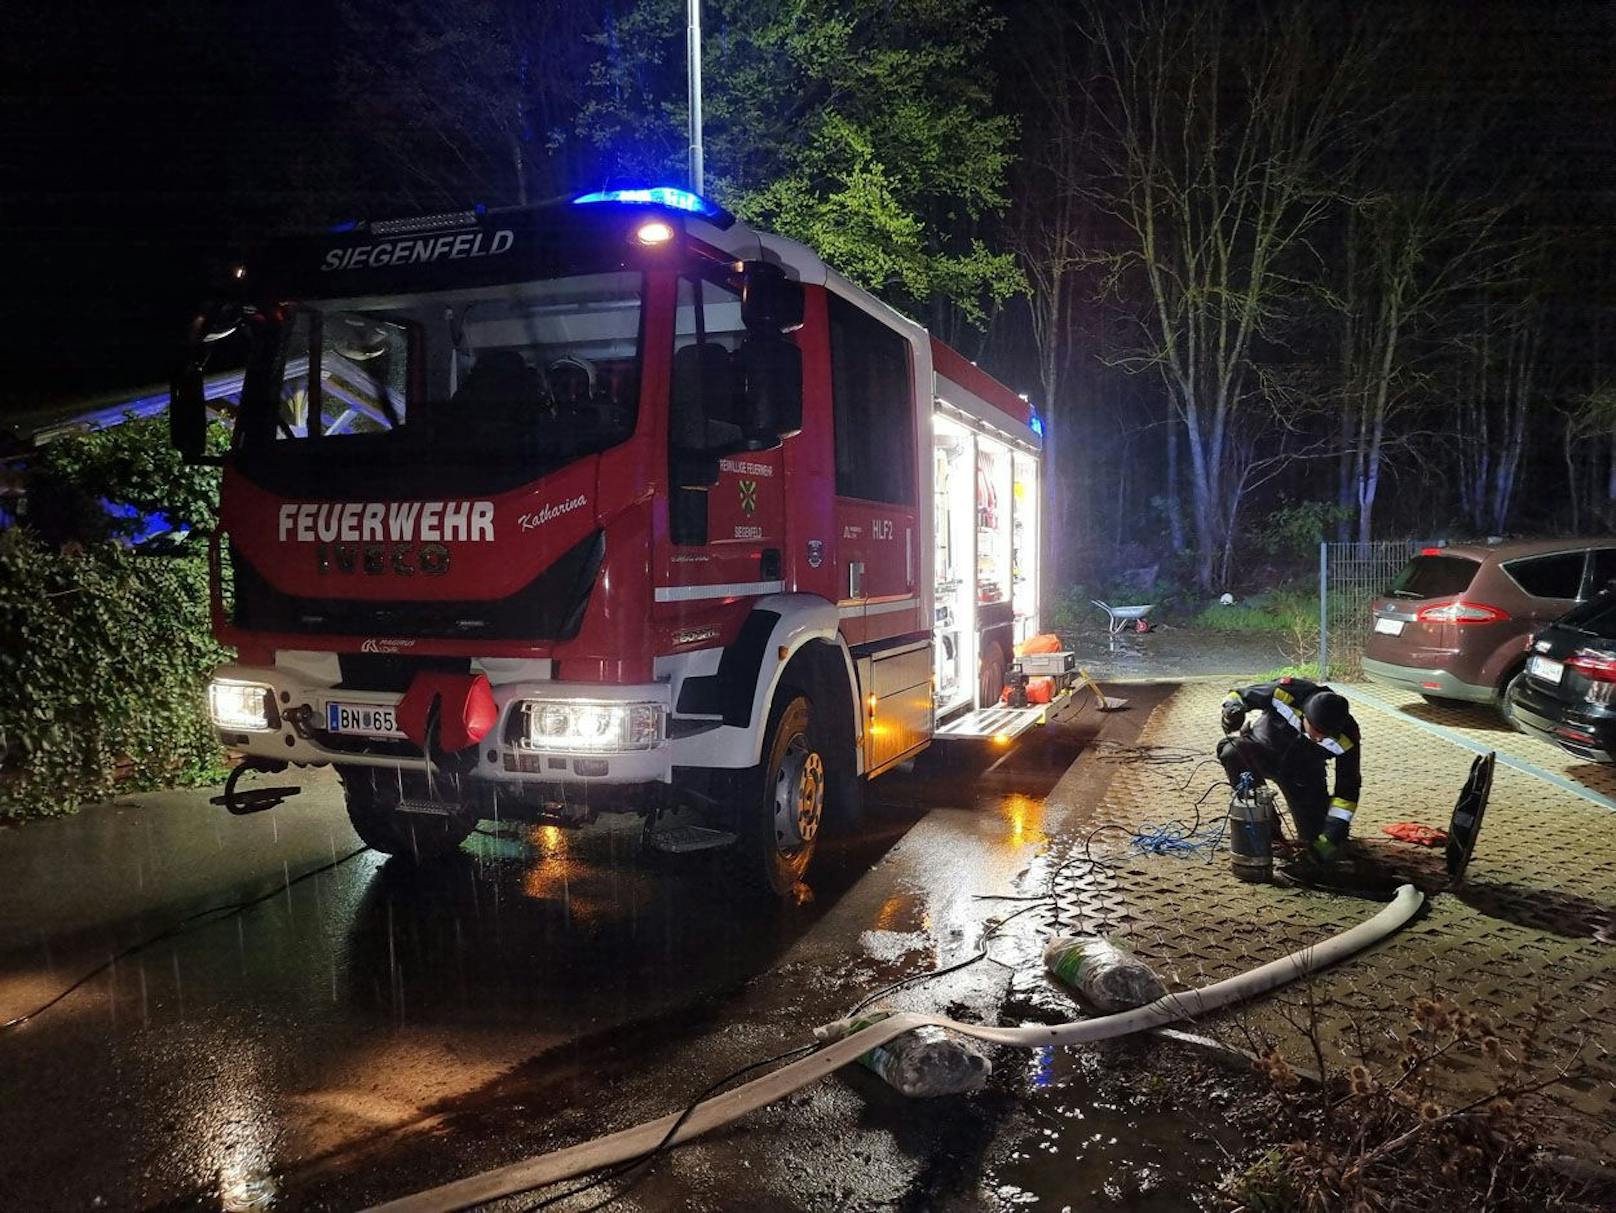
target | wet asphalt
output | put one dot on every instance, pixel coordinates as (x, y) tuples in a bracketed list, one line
[(362, 1029)]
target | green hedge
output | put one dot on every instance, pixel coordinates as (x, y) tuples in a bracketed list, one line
[(104, 657)]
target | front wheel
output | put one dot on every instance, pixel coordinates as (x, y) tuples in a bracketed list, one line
[(783, 803), (374, 795)]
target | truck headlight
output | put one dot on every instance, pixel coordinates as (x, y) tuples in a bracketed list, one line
[(247, 707), (590, 724)]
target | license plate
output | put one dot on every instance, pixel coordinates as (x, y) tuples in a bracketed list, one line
[(1389, 627), (1546, 669), (362, 719)]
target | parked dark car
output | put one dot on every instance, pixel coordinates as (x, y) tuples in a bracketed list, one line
[(1458, 621), (1568, 693)]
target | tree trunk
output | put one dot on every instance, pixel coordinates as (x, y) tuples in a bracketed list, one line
[(1175, 511), (1567, 448)]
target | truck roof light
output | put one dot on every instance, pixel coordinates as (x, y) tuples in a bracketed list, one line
[(653, 232), (670, 196), (416, 224)]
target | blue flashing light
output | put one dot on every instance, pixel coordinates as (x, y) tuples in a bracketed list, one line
[(669, 196), (1037, 424), (347, 225)]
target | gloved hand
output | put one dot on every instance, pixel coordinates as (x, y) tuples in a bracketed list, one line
[(1233, 716)]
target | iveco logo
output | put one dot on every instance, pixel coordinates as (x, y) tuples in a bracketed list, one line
[(375, 559)]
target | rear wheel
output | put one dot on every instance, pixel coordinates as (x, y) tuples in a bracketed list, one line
[(374, 795), (783, 802), (1506, 709)]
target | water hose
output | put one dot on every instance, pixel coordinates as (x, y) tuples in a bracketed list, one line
[(730, 1105)]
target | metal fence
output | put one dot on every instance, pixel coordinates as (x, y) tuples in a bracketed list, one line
[(1351, 576)]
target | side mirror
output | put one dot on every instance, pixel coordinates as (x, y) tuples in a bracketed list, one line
[(770, 302), (188, 414), (701, 375), (770, 368), (187, 399)]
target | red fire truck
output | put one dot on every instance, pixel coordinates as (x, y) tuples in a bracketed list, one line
[(611, 504)]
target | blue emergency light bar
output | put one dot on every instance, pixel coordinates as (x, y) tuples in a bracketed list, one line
[(669, 196)]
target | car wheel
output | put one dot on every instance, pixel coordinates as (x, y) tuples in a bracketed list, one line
[(1506, 707), (373, 795)]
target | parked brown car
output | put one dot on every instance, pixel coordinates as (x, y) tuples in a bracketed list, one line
[(1458, 621)]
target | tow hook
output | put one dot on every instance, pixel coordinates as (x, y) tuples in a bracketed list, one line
[(253, 800), (299, 718)]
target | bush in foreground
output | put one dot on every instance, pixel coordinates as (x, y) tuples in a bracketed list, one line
[(102, 669)]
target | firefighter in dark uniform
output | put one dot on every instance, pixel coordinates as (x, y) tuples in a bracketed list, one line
[(1303, 728)]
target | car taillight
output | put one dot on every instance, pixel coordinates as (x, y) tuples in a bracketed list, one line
[(1462, 612), (1593, 664)]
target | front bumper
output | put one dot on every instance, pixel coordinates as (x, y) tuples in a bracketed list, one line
[(298, 735), (1426, 682)]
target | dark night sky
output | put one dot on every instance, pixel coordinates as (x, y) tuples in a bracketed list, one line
[(132, 140), (135, 139)]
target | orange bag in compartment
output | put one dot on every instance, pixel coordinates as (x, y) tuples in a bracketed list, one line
[(1048, 642)]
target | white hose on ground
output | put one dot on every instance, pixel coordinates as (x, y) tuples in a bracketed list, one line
[(730, 1105)]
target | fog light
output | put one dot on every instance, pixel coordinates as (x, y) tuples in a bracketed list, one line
[(598, 725), (247, 706)]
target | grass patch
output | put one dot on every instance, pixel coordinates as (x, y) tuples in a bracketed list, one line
[(1281, 614), (1339, 672)]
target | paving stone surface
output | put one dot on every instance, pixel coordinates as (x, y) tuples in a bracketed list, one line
[(1532, 921), (1482, 725)]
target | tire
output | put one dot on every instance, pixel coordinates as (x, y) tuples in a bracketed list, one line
[(990, 676), (373, 793), (1505, 708), (781, 807)]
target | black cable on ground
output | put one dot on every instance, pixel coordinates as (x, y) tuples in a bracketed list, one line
[(201, 918), (644, 1160)]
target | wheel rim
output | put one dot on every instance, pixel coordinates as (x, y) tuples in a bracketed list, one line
[(799, 796)]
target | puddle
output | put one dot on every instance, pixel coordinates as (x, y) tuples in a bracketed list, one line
[(1170, 651), (892, 946), (1106, 1128)]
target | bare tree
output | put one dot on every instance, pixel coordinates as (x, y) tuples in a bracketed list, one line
[(1500, 359), (1220, 143), (1412, 246)]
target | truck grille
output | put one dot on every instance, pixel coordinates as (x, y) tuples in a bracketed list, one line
[(550, 607)]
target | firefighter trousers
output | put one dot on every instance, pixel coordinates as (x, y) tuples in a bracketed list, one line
[(1305, 785)]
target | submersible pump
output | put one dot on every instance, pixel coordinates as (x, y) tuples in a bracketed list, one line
[(1251, 830)]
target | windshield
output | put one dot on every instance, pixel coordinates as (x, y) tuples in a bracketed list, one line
[(532, 374)]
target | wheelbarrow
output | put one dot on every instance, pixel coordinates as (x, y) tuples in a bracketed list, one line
[(1121, 616)]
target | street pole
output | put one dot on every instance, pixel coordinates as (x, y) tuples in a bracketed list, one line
[(693, 74), (1324, 611)]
